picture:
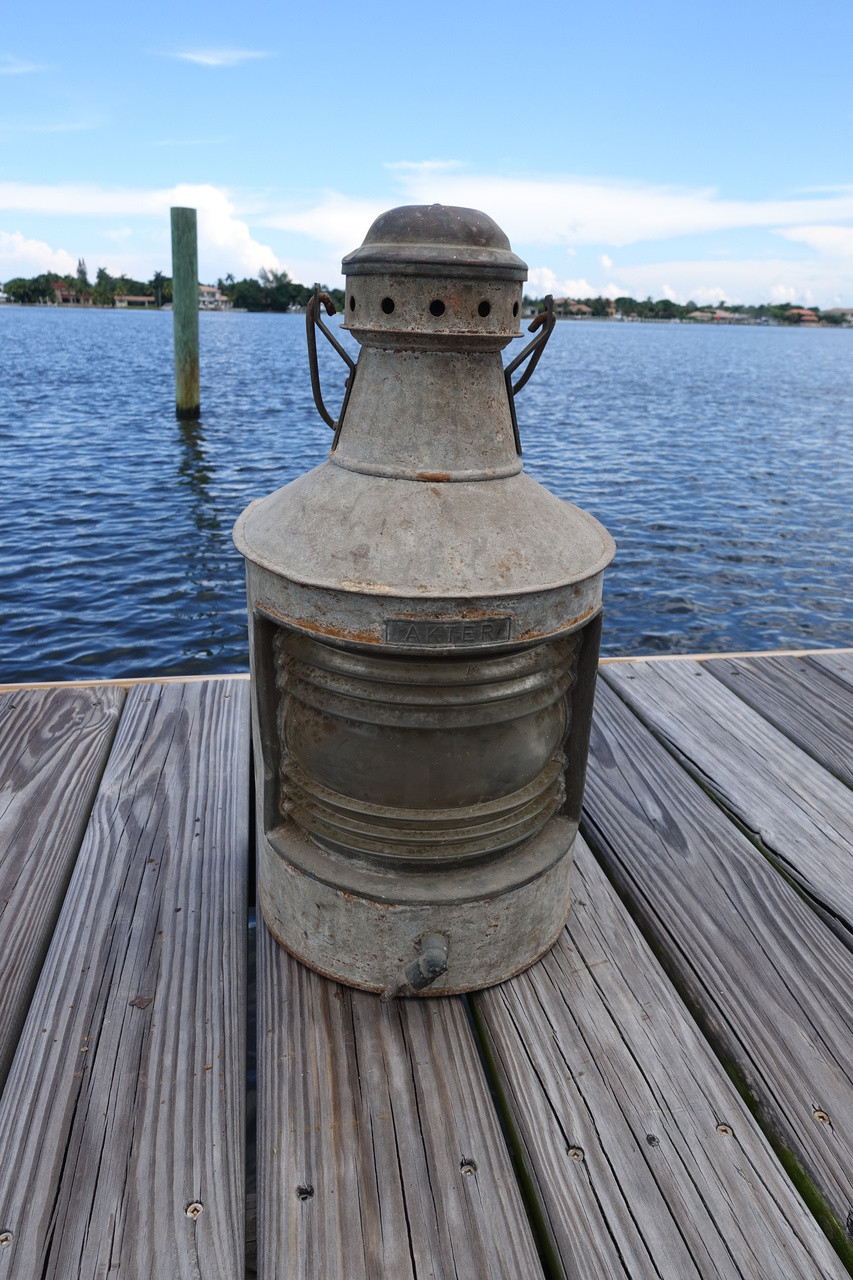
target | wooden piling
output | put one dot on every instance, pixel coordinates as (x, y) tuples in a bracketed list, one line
[(185, 311)]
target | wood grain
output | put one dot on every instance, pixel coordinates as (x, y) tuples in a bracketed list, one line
[(804, 702), (53, 748), (802, 814), (125, 1101), (773, 985), (838, 663), (645, 1158), (380, 1156)]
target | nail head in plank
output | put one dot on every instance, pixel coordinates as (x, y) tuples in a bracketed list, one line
[(119, 1116), (379, 1151), (53, 748), (646, 1161)]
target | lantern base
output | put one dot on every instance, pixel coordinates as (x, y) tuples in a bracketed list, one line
[(373, 929)]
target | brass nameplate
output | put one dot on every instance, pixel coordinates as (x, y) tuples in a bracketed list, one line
[(455, 632)]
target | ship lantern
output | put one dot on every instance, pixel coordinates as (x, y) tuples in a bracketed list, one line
[(424, 632)]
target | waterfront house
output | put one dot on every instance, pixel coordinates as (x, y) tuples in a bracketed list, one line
[(802, 315), (716, 316), (66, 295), (565, 307), (210, 298), (135, 300)]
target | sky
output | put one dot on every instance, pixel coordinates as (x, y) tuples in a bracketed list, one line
[(697, 151)]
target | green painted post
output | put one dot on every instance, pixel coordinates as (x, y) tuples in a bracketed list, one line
[(185, 312)]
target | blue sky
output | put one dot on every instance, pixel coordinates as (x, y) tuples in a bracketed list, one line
[(697, 150)]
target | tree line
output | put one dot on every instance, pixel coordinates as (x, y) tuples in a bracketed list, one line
[(665, 309), (268, 291), (275, 291)]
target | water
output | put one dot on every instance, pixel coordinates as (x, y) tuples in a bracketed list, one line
[(720, 459)]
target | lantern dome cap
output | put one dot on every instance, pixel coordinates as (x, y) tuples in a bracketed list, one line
[(428, 239)]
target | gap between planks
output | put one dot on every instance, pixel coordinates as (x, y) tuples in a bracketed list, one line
[(645, 1159), (125, 1103), (380, 1155), (768, 981), (801, 814)]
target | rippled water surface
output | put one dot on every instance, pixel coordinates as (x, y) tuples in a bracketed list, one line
[(720, 459)]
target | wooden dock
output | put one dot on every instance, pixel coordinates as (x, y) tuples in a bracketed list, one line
[(668, 1094)]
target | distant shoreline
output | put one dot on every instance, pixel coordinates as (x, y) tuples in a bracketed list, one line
[(730, 321)]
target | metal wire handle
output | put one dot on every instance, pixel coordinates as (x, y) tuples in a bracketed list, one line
[(534, 350), (312, 322)]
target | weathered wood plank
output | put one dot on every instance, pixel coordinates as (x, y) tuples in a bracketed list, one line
[(125, 1101), (645, 1158), (803, 701), (801, 813), (53, 747), (379, 1152), (772, 984), (839, 664)]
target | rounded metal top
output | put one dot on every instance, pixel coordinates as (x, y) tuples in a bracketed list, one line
[(427, 239)]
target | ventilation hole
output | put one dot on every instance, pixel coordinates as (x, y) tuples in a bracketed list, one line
[(484, 308), (387, 305), (515, 308), (436, 307), (305, 1191), (352, 304)]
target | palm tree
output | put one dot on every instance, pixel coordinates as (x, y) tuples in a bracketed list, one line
[(157, 284)]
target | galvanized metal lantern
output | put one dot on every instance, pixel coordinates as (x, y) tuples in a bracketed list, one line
[(425, 624)]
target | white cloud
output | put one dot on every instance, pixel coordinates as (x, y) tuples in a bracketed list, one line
[(742, 280), (336, 226), (590, 211), (785, 293), (12, 66), (22, 257), (564, 211), (337, 220), (225, 242), (833, 240), (220, 57), (546, 216), (542, 217), (542, 280)]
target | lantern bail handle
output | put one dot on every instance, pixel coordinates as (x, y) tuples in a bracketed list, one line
[(545, 320), (312, 320)]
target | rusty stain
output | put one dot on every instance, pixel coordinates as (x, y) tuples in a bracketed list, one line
[(439, 476), (570, 624), (324, 629)]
